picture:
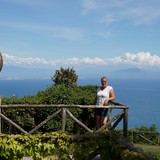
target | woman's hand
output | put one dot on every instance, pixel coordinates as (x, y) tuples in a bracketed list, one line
[(106, 102)]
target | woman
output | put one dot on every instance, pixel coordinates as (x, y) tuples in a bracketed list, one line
[(104, 94)]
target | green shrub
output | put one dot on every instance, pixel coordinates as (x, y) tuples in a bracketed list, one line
[(63, 146), (55, 94)]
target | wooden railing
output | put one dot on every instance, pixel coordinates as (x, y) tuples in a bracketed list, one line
[(149, 137), (63, 109)]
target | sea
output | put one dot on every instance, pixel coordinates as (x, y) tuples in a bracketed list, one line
[(142, 96)]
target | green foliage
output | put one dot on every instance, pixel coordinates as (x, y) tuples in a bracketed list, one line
[(153, 150), (37, 146), (22, 116), (55, 94), (24, 100), (144, 134), (64, 76), (64, 146), (152, 128), (60, 94)]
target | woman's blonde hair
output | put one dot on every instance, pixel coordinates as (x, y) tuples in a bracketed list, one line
[(104, 78)]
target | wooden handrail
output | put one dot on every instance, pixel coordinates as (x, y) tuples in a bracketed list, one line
[(59, 106), (122, 115)]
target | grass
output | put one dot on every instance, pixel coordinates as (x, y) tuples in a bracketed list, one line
[(153, 150)]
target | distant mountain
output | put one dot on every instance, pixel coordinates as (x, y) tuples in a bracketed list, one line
[(136, 73), (131, 70)]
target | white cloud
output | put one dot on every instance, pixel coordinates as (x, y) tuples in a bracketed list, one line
[(88, 5), (86, 60), (141, 59), (135, 11), (109, 18), (68, 33), (105, 34), (26, 62)]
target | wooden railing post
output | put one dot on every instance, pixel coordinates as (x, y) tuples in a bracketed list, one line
[(63, 119), (125, 122)]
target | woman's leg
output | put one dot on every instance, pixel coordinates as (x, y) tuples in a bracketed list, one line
[(103, 120), (104, 116), (98, 118)]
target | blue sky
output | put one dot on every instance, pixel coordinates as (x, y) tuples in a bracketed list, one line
[(95, 37)]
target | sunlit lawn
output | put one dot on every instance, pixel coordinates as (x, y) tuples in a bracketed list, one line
[(153, 150)]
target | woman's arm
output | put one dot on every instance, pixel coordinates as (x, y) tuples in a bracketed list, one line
[(111, 97)]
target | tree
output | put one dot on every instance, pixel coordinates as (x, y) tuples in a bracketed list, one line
[(152, 128), (64, 76)]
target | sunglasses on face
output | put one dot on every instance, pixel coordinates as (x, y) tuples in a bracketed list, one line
[(103, 81)]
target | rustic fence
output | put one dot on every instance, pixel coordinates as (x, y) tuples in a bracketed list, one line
[(63, 109), (144, 137)]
